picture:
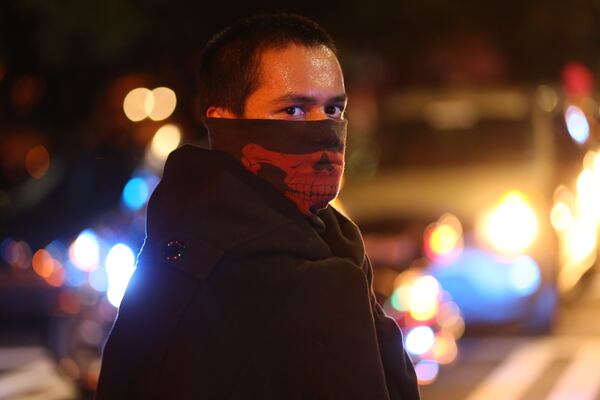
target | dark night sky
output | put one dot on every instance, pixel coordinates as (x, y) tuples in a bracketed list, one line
[(79, 46), (113, 35)]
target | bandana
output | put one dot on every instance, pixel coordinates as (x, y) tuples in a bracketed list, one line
[(304, 160)]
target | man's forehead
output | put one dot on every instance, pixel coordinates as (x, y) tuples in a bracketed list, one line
[(299, 56), (296, 66)]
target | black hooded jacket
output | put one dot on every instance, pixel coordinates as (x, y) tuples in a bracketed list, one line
[(237, 295)]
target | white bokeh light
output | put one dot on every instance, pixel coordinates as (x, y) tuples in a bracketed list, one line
[(85, 251), (120, 265), (420, 340)]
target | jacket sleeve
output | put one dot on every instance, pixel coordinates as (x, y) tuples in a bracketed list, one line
[(400, 374), (148, 314)]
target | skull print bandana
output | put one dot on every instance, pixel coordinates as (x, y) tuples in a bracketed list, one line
[(303, 159)]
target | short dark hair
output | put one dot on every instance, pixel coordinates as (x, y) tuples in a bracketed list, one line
[(229, 66)]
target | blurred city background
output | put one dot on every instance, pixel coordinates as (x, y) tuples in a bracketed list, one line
[(473, 170)]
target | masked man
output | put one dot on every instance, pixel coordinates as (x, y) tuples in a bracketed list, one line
[(249, 285)]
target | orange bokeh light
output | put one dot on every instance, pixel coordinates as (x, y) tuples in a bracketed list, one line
[(37, 161), (42, 263), (57, 278)]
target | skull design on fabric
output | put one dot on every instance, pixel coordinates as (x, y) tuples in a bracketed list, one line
[(304, 160), (311, 180)]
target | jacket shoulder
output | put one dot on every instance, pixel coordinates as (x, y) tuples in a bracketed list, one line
[(177, 250), (151, 310)]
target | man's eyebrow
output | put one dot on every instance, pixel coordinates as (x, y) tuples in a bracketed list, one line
[(339, 99), (299, 98)]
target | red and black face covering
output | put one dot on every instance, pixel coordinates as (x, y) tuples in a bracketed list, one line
[(303, 159)]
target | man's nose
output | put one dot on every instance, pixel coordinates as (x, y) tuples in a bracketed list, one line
[(315, 115), (324, 164)]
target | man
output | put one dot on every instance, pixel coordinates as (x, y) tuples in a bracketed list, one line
[(249, 285)]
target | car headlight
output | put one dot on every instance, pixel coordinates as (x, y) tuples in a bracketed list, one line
[(512, 226)]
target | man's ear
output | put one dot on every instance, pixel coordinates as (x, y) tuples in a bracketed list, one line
[(219, 112)]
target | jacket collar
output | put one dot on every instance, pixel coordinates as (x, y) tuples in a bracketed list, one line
[(209, 195)]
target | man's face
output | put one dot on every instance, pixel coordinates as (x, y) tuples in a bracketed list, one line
[(295, 83)]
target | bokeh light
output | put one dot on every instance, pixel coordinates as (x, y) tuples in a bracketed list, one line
[(580, 240), (547, 98), (400, 298), (419, 340), (525, 275), (161, 103), (596, 163), (37, 161), (577, 79), (135, 193), (424, 298), (120, 265), (18, 254), (85, 251), (585, 183), (513, 225), (427, 371), (444, 348), (75, 276), (98, 280), (56, 249), (577, 124), (561, 216), (450, 319), (57, 278), (134, 104), (579, 252), (91, 332), (42, 263), (588, 196), (165, 140), (157, 104), (589, 159), (443, 239)]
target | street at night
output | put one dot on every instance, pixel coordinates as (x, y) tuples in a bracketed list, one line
[(559, 366), (374, 201)]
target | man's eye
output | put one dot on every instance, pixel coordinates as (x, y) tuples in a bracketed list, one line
[(293, 111), (334, 110)]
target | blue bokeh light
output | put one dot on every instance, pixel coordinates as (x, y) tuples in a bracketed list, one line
[(525, 275), (577, 124), (487, 288), (98, 279), (74, 276), (135, 193)]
